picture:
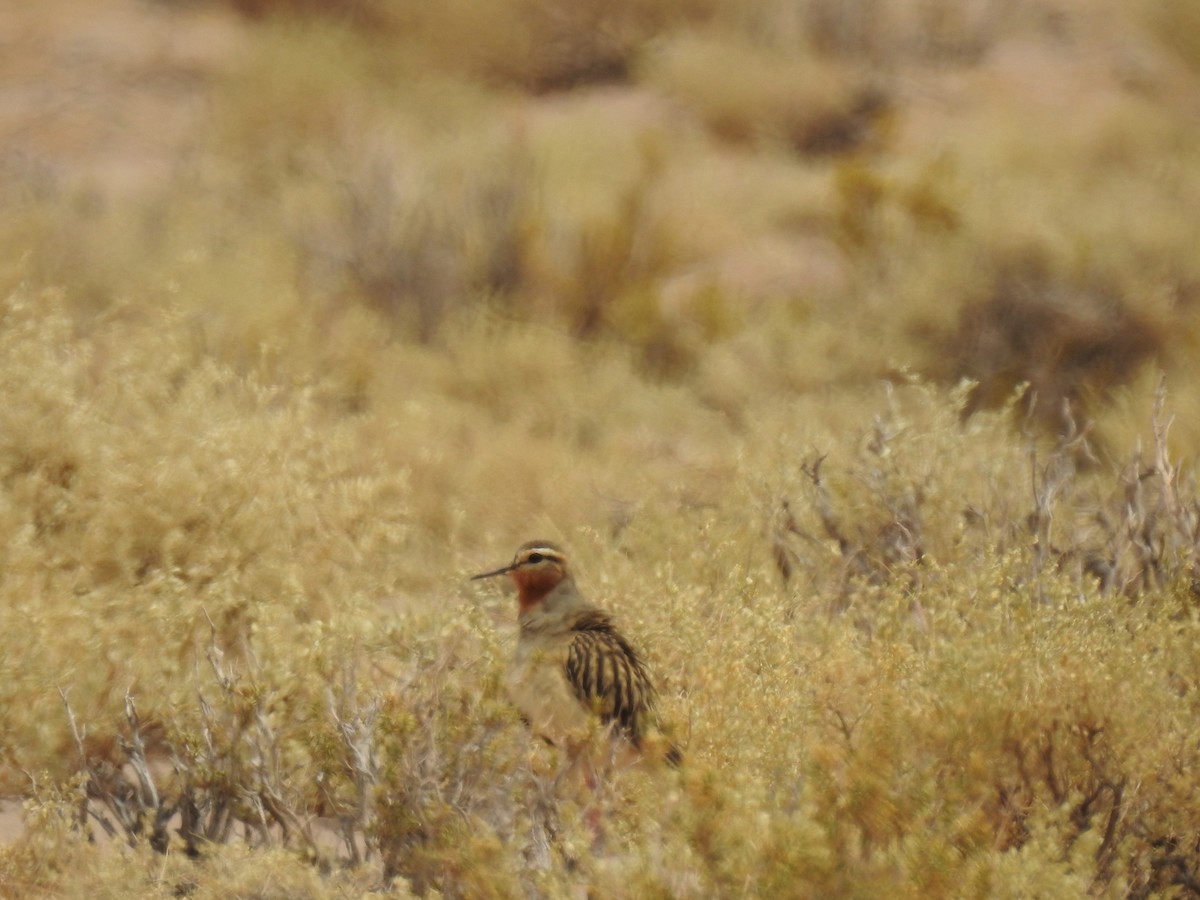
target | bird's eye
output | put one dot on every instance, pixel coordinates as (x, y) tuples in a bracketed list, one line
[(535, 558)]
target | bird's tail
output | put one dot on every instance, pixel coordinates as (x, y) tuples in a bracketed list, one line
[(658, 744), (674, 756)]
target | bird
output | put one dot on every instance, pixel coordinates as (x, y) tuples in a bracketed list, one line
[(571, 664)]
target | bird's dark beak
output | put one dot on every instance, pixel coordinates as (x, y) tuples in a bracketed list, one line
[(503, 570)]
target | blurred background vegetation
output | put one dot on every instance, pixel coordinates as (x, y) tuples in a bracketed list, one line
[(852, 348)]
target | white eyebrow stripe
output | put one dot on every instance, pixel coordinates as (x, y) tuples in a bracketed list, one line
[(547, 552)]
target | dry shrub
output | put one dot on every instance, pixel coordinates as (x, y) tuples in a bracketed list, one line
[(755, 94), (76, 238), (233, 494), (619, 261), (1067, 340), (364, 14), (1176, 26), (885, 514), (983, 698), (405, 767), (145, 499), (1065, 748), (600, 272), (541, 46), (303, 90), (193, 556), (1062, 303), (1029, 753), (416, 232), (569, 45), (1128, 528), (1142, 532), (533, 44), (870, 204), (457, 807), (942, 30)]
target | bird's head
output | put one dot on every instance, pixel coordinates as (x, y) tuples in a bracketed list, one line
[(537, 569)]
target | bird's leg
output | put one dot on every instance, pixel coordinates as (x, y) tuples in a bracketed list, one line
[(581, 764), (594, 812)]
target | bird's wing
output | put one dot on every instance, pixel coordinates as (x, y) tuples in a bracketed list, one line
[(608, 676)]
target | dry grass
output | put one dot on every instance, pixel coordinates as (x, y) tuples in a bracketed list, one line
[(866, 442)]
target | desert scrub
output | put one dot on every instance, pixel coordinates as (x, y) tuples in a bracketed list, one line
[(839, 737), (746, 93), (138, 504), (267, 420), (271, 575)]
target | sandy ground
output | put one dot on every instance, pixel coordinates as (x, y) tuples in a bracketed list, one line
[(107, 94), (10, 820)]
